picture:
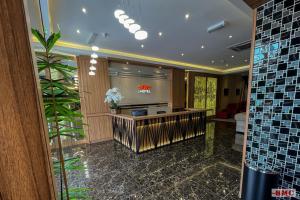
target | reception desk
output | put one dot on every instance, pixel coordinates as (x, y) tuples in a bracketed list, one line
[(144, 133)]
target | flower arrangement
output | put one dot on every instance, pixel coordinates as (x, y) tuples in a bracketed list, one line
[(113, 97)]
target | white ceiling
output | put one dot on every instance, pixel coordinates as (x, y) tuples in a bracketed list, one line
[(179, 35)]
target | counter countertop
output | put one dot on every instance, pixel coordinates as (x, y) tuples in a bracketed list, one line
[(129, 117)]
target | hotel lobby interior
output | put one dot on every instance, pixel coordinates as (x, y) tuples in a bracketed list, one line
[(135, 99)]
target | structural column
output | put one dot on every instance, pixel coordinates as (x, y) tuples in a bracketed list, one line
[(25, 165)]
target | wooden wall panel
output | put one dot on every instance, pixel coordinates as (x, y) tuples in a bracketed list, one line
[(25, 165), (255, 3), (92, 92), (248, 98), (177, 99)]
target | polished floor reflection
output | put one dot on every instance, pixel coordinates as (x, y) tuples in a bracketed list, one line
[(202, 168)]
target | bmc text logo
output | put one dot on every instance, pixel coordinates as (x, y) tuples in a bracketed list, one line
[(283, 192), (144, 89)]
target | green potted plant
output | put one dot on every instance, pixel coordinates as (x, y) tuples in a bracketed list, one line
[(113, 98), (61, 100)]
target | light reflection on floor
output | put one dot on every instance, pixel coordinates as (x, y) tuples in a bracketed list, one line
[(202, 168)]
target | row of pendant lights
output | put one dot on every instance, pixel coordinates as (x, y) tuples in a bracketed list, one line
[(130, 24), (93, 61)]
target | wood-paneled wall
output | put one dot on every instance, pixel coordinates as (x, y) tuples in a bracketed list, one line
[(25, 165), (177, 91), (255, 3), (92, 91)]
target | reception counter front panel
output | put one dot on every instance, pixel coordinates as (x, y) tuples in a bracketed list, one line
[(149, 132)]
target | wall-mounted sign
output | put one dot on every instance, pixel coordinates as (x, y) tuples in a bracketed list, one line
[(144, 89)]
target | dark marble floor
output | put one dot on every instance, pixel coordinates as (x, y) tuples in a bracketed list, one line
[(202, 168)]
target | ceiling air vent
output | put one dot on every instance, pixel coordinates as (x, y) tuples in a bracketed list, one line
[(91, 40), (241, 46)]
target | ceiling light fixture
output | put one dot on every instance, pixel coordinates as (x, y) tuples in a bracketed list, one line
[(230, 36), (125, 68), (78, 31), (139, 71), (187, 16), (92, 73), (95, 48), (226, 65), (160, 33), (141, 35), (212, 61), (128, 22), (93, 61), (202, 46), (83, 10), (127, 63), (122, 18), (142, 45), (182, 54), (118, 12), (134, 28), (92, 68), (94, 55), (232, 56)]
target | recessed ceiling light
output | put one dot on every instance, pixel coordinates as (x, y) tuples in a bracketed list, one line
[(160, 67), (212, 61), (95, 48), (187, 16), (230, 36), (125, 68), (202, 46), (232, 56), (127, 63), (78, 31), (142, 45), (246, 60), (139, 71), (226, 65), (160, 33), (83, 10), (157, 71), (182, 54)]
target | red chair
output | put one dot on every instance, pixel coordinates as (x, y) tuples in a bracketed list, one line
[(229, 112)]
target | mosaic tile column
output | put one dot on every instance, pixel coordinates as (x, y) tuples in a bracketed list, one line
[(274, 120)]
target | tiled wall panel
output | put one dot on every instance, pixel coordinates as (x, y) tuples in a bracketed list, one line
[(274, 121)]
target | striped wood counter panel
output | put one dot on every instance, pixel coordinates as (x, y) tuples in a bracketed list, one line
[(141, 134)]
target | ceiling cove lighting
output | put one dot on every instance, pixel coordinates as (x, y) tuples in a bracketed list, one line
[(130, 24), (127, 55)]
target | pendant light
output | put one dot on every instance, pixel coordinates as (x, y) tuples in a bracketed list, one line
[(141, 35)]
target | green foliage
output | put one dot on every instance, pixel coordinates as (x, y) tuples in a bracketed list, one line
[(60, 97)]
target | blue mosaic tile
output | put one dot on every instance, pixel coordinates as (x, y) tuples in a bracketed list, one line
[(274, 118)]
